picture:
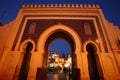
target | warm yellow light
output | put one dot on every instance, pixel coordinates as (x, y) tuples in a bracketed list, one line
[(69, 60), (56, 60), (97, 41)]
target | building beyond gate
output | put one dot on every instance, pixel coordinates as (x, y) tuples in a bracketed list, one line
[(94, 42)]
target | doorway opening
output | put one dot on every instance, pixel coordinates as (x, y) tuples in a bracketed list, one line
[(26, 62), (59, 63), (94, 67)]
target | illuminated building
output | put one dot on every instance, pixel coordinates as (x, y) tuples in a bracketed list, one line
[(55, 60)]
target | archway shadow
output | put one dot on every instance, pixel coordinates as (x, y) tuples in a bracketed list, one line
[(94, 67)]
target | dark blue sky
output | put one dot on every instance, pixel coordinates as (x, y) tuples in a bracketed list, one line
[(10, 8), (61, 46)]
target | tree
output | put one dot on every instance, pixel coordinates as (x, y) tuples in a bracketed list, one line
[(63, 55)]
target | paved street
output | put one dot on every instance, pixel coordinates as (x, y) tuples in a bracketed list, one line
[(59, 76)]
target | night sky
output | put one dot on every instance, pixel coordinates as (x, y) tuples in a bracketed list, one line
[(10, 8)]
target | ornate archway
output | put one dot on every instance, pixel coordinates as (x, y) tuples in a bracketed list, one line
[(59, 27), (94, 66), (55, 32), (23, 66)]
